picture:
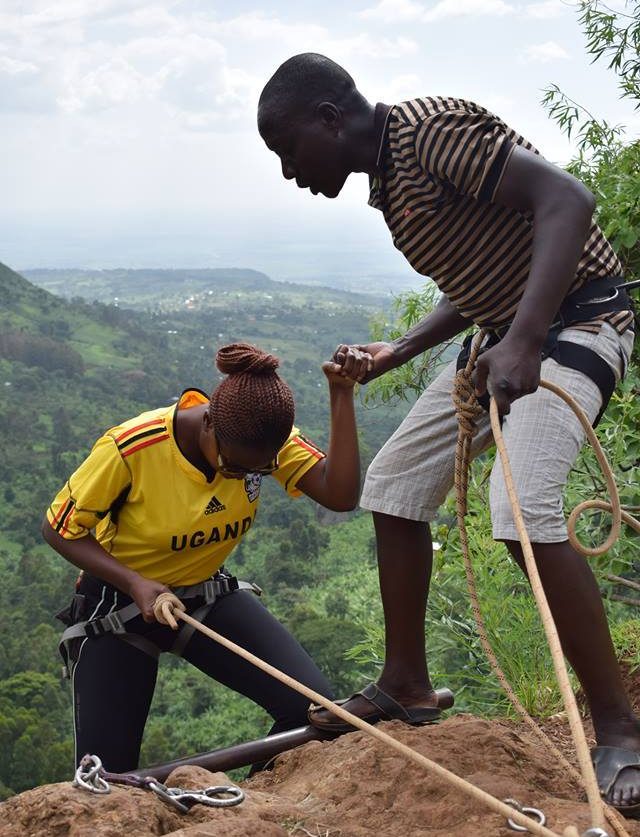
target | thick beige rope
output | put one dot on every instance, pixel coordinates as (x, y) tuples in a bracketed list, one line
[(467, 410), (168, 608)]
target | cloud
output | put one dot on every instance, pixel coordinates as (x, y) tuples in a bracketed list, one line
[(392, 11), (13, 67), (401, 88), (544, 53), (546, 10), (466, 8)]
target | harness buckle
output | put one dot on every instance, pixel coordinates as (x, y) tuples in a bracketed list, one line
[(210, 591), (114, 623)]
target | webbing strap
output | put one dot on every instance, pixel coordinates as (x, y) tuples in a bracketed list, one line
[(114, 622), (582, 359), (186, 631)]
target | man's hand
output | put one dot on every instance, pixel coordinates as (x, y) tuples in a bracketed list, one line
[(364, 362), (509, 370), (336, 374), (144, 592)]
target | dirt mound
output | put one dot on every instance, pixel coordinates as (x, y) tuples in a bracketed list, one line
[(350, 787)]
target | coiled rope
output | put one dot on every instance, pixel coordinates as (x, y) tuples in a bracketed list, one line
[(467, 411)]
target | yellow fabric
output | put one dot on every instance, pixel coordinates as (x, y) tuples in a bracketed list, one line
[(153, 510)]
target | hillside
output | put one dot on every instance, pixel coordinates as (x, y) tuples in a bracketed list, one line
[(70, 368)]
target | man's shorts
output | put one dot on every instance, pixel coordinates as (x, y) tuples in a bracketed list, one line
[(413, 472)]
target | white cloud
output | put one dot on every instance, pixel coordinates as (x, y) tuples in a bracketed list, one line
[(393, 11), (466, 8), (401, 88), (546, 10), (13, 67), (544, 53)]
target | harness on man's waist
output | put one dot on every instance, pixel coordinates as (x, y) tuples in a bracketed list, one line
[(221, 584), (600, 296)]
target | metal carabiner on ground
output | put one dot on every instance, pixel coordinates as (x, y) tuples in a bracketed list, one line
[(530, 812)]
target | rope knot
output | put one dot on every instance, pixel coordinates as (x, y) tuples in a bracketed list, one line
[(466, 403), (164, 607)]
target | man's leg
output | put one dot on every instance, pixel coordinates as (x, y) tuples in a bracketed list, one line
[(543, 438), (405, 485), (578, 612)]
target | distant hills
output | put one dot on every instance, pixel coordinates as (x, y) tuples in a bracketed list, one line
[(155, 287)]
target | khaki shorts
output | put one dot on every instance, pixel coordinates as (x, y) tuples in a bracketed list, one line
[(413, 472)]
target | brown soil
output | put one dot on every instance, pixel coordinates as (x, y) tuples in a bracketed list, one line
[(350, 787)]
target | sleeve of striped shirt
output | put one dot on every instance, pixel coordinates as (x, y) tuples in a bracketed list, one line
[(466, 148), (90, 491), (297, 456)]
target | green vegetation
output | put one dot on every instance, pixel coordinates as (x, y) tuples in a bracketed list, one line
[(71, 367), (68, 370)]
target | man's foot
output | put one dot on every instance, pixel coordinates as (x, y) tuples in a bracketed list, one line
[(617, 764), (373, 705)]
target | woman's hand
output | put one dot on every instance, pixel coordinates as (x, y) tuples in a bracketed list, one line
[(353, 362), (144, 592)]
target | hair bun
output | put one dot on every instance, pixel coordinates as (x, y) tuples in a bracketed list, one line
[(237, 358)]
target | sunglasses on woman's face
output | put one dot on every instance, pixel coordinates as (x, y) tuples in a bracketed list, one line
[(233, 471)]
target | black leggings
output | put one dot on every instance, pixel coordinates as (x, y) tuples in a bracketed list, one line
[(113, 682)]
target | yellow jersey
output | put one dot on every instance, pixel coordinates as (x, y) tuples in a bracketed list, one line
[(154, 511)]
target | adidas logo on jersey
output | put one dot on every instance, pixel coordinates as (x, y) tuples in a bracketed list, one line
[(214, 505)]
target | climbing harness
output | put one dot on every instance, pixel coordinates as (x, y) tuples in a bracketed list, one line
[(534, 812), (467, 410), (91, 776), (221, 584), (600, 296)]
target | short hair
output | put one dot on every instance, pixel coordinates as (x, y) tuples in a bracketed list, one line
[(253, 406), (298, 86)]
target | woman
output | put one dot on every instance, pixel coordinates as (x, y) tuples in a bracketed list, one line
[(169, 494)]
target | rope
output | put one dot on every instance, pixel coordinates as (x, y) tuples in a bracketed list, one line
[(464, 397), (168, 608)]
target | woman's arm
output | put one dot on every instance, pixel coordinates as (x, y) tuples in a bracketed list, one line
[(335, 481), (87, 554)]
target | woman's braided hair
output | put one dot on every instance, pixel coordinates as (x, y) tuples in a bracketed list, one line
[(252, 406)]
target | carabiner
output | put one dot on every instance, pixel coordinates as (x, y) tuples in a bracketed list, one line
[(533, 812)]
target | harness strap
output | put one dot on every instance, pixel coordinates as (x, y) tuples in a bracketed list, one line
[(222, 584), (585, 360), (186, 630)]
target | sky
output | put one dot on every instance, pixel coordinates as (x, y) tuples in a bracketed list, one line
[(128, 138)]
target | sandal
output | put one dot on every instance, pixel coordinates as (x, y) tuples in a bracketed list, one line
[(385, 708)]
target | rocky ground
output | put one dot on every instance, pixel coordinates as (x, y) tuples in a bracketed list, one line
[(350, 787)]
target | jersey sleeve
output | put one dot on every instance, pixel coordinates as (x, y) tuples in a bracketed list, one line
[(297, 456), (90, 492), (467, 148)]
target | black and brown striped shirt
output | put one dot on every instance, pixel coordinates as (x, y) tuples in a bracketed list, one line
[(439, 165)]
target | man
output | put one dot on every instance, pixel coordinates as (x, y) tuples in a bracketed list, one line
[(509, 240)]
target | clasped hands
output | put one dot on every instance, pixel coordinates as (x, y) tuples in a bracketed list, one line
[(507, 371)]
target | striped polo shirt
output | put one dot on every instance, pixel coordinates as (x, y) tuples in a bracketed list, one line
[(439, 165)]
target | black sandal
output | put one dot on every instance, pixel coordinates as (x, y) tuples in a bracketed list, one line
[(385, 709)]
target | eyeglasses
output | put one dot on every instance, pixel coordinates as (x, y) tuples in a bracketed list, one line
[(233, 471)]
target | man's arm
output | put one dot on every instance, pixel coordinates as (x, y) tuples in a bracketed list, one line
[(562, 209), (441, 324)]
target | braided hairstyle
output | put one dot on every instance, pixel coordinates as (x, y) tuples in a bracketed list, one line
[(252, 406)]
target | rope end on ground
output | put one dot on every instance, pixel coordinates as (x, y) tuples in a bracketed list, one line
[(164, 607)]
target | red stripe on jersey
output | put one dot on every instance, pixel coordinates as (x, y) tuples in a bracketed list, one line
[(59, 514), (309, 447), (138, 427), (153, 441), (62, 527)]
